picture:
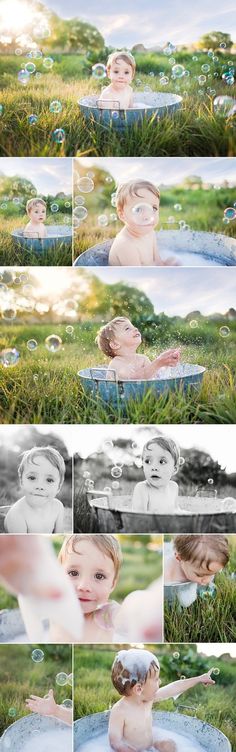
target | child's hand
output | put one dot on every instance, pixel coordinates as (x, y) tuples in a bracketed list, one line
[(20, 563), (206, 678), (42, 705), (169, 358)]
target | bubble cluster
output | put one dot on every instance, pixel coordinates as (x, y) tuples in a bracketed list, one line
[(99, 71), (37, 655), (9, 357), (53, 343)]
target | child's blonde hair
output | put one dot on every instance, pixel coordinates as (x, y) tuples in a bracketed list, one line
[(202, 548), (122, 55), (165, 442), (124, 679), (51, 454), (33, 202), (107, 544), (131, 190), (107, 333)]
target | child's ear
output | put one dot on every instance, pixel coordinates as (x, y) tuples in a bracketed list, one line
[(177, 556), (114, 345), (120, 214), (137, 689)]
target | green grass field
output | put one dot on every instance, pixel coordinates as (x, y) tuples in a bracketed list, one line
[(195, 130), (211, 620), (94, 691), (12, 254), (21, 676), (45, 388)]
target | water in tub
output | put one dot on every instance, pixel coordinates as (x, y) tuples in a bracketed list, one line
[(183, 743), (57, 740)]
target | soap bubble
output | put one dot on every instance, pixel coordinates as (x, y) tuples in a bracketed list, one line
[(151, 74), (86, 474), (67, 204), (53, 343), (48, 62), (164, 81), (67, 704), (113, 199), (61, 679), (143, 214), (176, 654), (32, 119), (171, 220), (32, 344), (195, 58), (85, 185), (109, 180), (59, 135), (9, 313), (230, 213), (107, 490), (3, 288), (113, 217), (205, 68), (37, 655), (55, 106), (147, 89), (103, 220), (99, 71), (12, 712), (116, 471), (115, 485), (80, 212), (183, 677), (215, 671), (177, 207), (193, 324), (69, 329), (89, 485), (222, 45), (30, 68), (108, 444), (54, 208), (223, 104), (115, 114), (9, 357), (201, 80), (79, 200), (23, 77), (181, 461), (224, 331), (178, 71), (210, 481), (18, 51), (70, 679)]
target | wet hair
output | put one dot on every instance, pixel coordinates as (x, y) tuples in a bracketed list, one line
[(124, 680), (107, 544), (132, 189), (165, 442), (202, 549), (122, 55), (33, 202), (107, 333), (51, 454)]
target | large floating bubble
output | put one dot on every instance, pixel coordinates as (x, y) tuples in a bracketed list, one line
[(12, 712), (53, 343), (178, 71), (143, 214), (32, 344), (55, 106), (80, 212), (54, 208), (48, 62), (85, 185), (8, 313), (9, 357), (230, 213), (67, 703), (116, 471), (37, 655), (30, 68), (23, 77), (99, 71), (103, 220), (193, 324), (223, 104), (61, 679), (224, 331), (59, 135)]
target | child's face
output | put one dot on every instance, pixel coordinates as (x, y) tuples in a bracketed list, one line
[(149, 689), (40, 481), (158, 466), (37, 213), (142, 212), (92, 573), (126, 334), (198, 572), (120, 73)]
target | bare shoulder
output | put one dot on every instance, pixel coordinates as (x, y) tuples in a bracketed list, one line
[(118, 709), (174, 485), (58, 504), (18, 506)]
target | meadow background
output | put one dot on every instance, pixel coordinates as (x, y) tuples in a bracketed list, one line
[(21, 677), (94, 691)]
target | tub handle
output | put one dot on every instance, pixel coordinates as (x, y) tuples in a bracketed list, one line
[(96, 370), (186, 707)]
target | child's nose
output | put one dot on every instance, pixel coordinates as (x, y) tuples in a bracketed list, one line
[(84, 584)]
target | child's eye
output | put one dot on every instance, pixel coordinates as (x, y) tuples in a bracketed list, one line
[(31, 477), (147, 462), (73, 573), (100, 576), (162, 461), (50, 480)]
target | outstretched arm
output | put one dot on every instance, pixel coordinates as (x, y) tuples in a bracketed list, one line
[(178, 687), (48, 706)]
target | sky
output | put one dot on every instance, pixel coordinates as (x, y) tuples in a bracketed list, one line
[(217, 649), (49, 175), (167, 170), (152, 22), (218, 441)]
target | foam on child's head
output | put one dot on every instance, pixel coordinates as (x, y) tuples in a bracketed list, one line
[(165, 442), (203, 549), (131, 189), (107, 544), (33, 202), (107, 333), (51, 454), (132, 666), (121, 55)]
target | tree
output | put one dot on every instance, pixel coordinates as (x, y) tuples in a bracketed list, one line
[(214, 39)]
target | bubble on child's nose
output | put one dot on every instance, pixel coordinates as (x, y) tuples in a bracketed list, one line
[(30, 68), (55, 106), (177, 207), (99, 71), (116, 471), (54, 208), (48, 62), (115, 485), (181, 461), (8, 313), (178, 71), (12, 712), (53, 343), (37, 655), (80, 212), (9, 357), (143, 214), (85, 185), (230, 213), (32, 119), (176, 654), (215, 671), (23, 77), (164, 80), (103, 220), (61, 679), (67, 703), (224, 331), (107, 490), (79, 200), (59, 135), (193, 324), (70, 679), (69, 329), (32, 344)]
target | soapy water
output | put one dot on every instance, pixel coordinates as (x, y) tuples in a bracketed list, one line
[(183, 743), (58, 740)]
